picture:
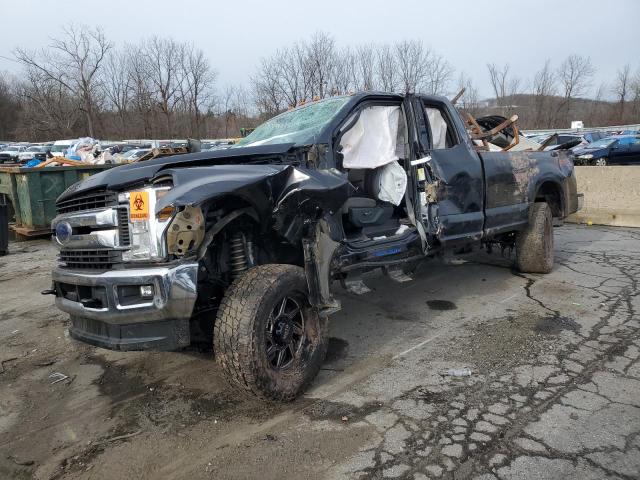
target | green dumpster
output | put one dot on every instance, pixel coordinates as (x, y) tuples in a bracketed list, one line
[(32, 193)]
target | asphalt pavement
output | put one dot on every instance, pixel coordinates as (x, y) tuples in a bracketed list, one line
[(471, 370)]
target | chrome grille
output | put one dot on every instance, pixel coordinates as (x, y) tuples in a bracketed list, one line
[(100, 259), (88, 201), (123, 227)]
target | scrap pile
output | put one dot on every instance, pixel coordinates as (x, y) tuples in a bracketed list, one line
[(87, 151)]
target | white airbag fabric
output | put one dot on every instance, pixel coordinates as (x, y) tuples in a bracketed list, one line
[(393, 183), (438, 128), (371, 142)]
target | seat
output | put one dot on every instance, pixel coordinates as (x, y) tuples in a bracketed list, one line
[(365, 212)]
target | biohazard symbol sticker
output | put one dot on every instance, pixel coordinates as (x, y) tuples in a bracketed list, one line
[(138, 206)]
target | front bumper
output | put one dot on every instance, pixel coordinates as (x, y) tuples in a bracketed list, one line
[(106, 309)]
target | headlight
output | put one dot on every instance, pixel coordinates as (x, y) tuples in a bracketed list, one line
[(586, 157), (147, 231)]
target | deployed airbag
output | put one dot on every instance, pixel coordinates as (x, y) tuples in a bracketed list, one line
[(438, 128), (371, 142), (390, 182)]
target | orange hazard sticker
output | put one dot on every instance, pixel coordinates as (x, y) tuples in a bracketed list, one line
[(138, 206)]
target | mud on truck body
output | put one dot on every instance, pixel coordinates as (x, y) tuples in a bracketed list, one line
[(243, 247)]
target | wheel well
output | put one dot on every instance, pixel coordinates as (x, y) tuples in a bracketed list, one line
[(551, 193), (270, 246)]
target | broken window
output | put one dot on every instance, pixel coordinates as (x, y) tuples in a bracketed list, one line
[(442, 132), (371, 149), (299, 126)]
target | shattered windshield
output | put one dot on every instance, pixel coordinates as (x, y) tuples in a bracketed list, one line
[(299, 126)]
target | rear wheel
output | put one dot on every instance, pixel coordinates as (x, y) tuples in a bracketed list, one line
[(534, 245), (267, 338)]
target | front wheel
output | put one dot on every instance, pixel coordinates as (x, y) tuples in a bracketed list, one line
[(600, 162), (267, 338), (534, 245)]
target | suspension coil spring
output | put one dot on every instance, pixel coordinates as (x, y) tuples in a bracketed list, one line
[(237, 254)]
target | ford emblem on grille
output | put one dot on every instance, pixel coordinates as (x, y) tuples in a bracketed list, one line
[(63, 232)]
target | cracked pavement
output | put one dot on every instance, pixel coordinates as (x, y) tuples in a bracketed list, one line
[(553, 390)]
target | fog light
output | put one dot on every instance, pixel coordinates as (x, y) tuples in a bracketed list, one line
[(146, 291)]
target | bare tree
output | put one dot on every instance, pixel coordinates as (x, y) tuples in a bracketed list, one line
[(544, 87), (366, 65), (116, 83), (49, 109), (293, 77), (320, 63), (439, 74), (198, 84), (498, 78), (503, 84), (234, 109), (9, 105), (621, 89), (266, 85), (387, 68), (141, 88), (635, 89), (345, 73), (72, 61), (164, 67), (468, 102), (575, 75), (412, 60)]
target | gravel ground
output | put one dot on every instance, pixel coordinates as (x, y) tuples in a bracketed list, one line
[(554, 389)]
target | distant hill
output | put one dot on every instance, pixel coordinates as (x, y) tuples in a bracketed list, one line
[(539, 112)]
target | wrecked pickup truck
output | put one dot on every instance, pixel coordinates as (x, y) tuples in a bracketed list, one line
[(244, 246)]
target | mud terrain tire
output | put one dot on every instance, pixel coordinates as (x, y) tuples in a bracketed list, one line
[(244, 332), (534, 245)]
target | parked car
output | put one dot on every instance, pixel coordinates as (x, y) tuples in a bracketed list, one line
[(614, 150), (134, 154), (216, 145), (11, 152), (59, 147), (565, 140), (39, 152), (241, 246)]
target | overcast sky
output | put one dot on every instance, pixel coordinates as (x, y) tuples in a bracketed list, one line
[(235, 34)]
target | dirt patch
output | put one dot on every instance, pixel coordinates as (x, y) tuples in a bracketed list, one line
[(337, 350), (429, 396), (554, 325), (441, 305), (12, 467), (502, 343), (170, 407), (336, 411)]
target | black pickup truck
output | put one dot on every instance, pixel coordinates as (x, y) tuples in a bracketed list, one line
[(244, 246)]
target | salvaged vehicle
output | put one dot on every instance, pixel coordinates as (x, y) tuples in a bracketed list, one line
[(245, 245), (613, 150)]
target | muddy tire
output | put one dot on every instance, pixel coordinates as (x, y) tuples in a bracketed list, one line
[(267, 338), (534, 245)]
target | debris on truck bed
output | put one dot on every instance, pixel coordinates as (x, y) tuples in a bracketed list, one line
[(496, 133)]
